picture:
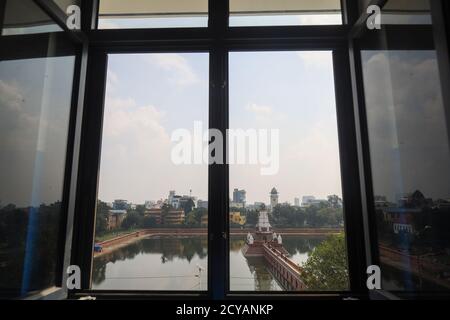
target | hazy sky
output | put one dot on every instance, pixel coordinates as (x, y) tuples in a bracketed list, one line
[(35, 96), (406, 120), (290, 91)]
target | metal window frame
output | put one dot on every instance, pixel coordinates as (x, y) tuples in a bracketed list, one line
[(36, 45), (396, 40), (218, 39)]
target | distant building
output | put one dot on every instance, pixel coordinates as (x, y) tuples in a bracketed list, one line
[(177, 202), (237, 205), (202, 204), (256, 206), (115, 219), (239, 196), (297, 202), (171, 196), (149, 204), (308, 201), (410, 215), (154, 213), (172, 217), (273, 198), (259, 205), (121, 205), (204, 221), (185, 199)]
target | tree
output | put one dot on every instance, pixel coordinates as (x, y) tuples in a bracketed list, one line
[(326, 267), (190, 219), (285, 215), (132, 220), (148, 222), (334, 201), (251, 217), (101, 218), (188, 206)]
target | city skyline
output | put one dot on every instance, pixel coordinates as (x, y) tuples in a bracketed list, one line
[(166, 197)]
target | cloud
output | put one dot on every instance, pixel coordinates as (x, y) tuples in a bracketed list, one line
[(181, 72), (316, 59)]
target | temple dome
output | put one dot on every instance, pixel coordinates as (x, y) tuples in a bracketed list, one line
[(274, 191)]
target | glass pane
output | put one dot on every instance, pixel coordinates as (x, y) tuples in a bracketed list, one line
[(406, 12), (25, 17), (409, 147), (131, 14), (286, 215), (35, 102), (64, 4), (284, 12), (152, 212)]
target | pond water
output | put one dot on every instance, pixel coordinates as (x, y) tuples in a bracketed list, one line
[(181, 263)]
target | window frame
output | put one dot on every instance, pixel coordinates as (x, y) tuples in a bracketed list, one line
[(218, 39), (397, 41), (15, 45)]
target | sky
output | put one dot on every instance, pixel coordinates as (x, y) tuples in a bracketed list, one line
[(406, 121), (150, 95), (35, 97)]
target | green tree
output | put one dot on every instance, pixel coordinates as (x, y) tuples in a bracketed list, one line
[(101, 217), (190, 219), (251, 217), (132, 220), (188, 206), (326, 267), (148, 222)]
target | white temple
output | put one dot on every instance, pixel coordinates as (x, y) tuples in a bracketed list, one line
[(263, 224)]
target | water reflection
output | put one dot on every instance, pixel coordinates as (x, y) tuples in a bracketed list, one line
[(172, 263), (160, 263)]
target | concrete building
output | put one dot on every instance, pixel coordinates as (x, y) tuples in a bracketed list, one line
[(237, 205), (202, 204), (239, 196), (204, 221), (121, 204), (115, 219), (172, 217), (308, 201)]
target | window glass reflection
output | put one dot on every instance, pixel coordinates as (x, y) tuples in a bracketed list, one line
[(410, 158), (132, 14), (35, 99), (406, 12), (25, 17), (284, 12)]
